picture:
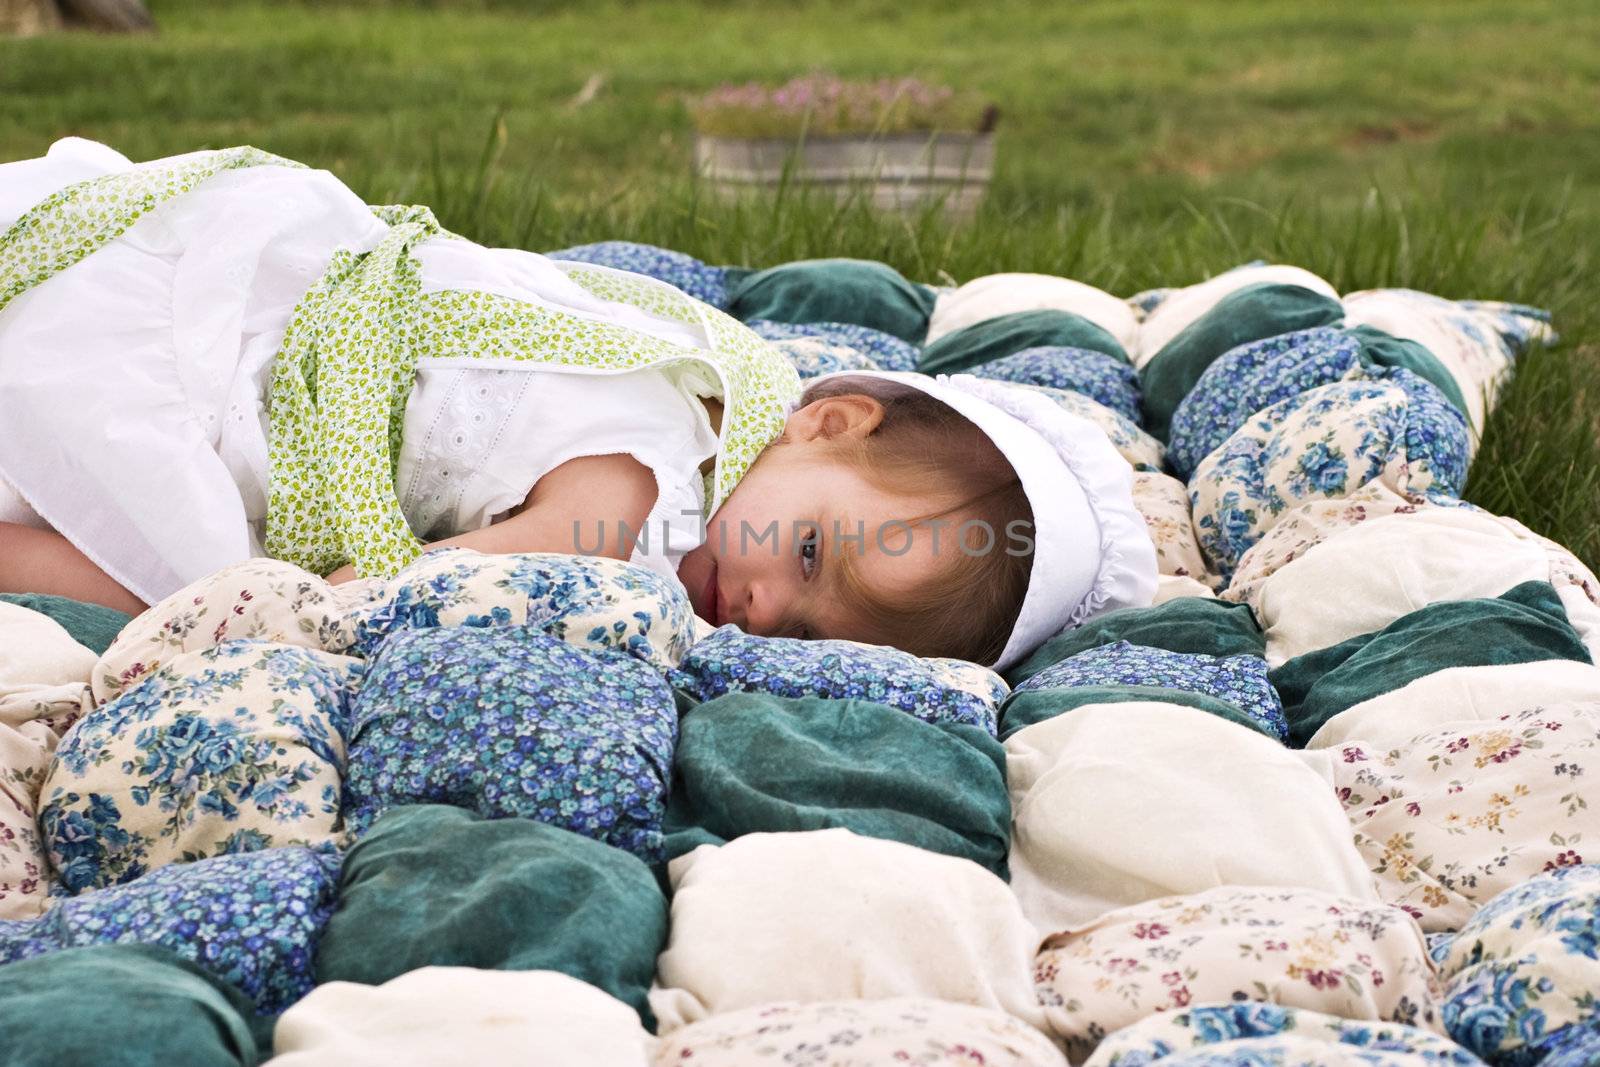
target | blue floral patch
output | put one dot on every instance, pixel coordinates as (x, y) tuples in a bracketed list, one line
[(732, 661), (1104, 379), (705, 283), (1253, 1033), (1237, 680), (229, 749), (1324, 443), (1522, 970), (1435, 432), (510, 722), (1520, 327), (1147, 300), (588, 601), (1439, 944), (882, 350), (812, 358), (1231, 1022), (1577, 1045), (420, 600), (1253, 377), (252, 920), (1499, 329)]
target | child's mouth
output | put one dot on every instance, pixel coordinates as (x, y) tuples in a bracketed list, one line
[(712, 598)]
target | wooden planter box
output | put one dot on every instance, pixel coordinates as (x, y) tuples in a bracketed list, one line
[(900, 172)]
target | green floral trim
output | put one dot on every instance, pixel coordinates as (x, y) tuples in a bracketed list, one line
[(636, 289), (339, 390)]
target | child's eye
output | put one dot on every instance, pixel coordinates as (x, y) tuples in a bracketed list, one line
[(808, 554)]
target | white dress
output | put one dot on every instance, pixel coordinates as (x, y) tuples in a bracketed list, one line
[(134, 384)]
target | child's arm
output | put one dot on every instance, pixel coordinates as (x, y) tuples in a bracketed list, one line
[(593, 492), (43, 561), (576, 507)]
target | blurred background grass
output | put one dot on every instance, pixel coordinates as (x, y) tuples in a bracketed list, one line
[(1452, 147)]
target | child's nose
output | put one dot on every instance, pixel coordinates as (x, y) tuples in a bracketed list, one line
[(763, 607)]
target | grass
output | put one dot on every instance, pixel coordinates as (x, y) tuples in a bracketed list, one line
[(1452, 147)]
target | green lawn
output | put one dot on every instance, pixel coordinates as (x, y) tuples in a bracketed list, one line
[(1453, 147)]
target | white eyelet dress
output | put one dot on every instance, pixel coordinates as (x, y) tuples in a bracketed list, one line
[(134, 384)]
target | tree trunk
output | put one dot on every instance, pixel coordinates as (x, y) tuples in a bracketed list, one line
[(24, 18), (117, 16)]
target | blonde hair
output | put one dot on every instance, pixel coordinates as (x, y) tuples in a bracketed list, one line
[(923, 447)]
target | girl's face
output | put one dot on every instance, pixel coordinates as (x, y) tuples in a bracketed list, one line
[(769, 563)]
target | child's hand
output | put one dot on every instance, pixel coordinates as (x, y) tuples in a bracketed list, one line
[(346, 573)]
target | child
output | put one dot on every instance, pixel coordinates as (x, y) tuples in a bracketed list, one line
[(223, 355)]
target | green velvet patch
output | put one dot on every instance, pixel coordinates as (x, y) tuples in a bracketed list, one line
[(1525, 624), (1379, 349), (1266, 309), (93, 626), (1034, 706), (125, 1006), (834, 290), (1006, 335), (749, 763), (1195, 625), (431, 885)]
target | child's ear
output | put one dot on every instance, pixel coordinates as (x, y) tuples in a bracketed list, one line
[(849, 415)]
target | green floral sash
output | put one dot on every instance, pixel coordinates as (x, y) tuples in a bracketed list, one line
[(350, 353)]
